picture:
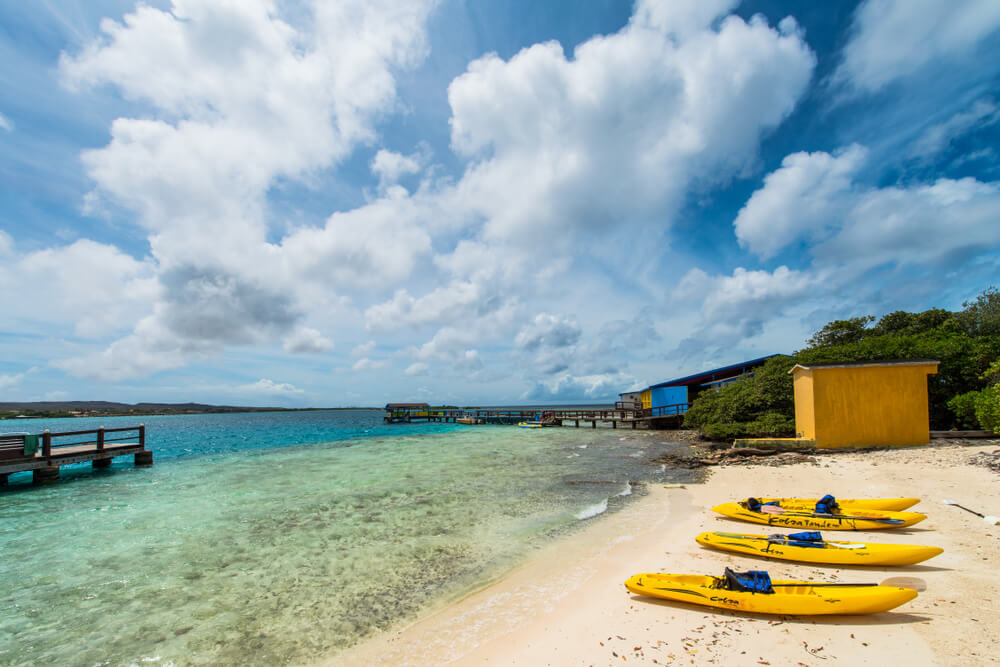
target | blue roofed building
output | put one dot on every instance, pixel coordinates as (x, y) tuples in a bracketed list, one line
[(673, 397)]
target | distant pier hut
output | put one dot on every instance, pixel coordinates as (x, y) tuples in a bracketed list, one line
[(406, 412), (664, 404)]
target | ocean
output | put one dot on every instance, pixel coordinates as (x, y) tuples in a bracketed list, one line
[(285, 537)]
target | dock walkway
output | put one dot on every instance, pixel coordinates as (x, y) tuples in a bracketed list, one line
[(624, 414), (20, 452)]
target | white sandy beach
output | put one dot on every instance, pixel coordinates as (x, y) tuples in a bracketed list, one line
[(567, 606)]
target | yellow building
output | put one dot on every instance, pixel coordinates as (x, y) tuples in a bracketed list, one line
[(863, 404)]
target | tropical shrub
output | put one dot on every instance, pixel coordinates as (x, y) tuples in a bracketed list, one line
[(988, 408), (963, 407)]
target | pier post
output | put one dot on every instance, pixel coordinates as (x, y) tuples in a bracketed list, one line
[(593, 424), (577, 423), (3, 478), (614, 424), (45, 475), (144, 458), (142, 436), (47, 444), (100, 441), (100, 463)]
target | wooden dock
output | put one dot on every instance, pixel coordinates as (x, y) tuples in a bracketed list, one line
[(45, 453), (624, 415)]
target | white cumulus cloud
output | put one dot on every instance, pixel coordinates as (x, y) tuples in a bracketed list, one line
[(246, 93), (594, 143), (96, 288), (366, 364), (804, 197), (895, 38), (816, 197), (306, 340), (268, 387)]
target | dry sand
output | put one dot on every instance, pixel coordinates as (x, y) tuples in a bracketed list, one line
[(568, 605)]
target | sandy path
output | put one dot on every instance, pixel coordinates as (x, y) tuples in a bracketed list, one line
[(568, 606)]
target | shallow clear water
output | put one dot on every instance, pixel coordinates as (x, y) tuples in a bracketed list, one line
[(237, 548)]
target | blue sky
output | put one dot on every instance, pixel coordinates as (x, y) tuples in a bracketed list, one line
[(328, 204)]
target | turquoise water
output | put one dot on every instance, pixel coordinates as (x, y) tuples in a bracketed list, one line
[(242, 545)]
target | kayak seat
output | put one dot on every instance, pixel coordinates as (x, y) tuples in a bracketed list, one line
[(754, 581), (755, 505), (827, 505), (811, 538)]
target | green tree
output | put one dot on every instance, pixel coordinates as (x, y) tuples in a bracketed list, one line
[(981, 316), (988, 408), (841, 332), (758, 405)]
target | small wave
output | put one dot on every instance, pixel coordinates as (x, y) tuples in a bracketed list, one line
[(593, 510), (627, 491), (582, 446)]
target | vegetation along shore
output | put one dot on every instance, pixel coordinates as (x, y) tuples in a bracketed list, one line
[(962, 395)]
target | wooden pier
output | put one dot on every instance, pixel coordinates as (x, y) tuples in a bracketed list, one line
[(627, 415), (45, 453)]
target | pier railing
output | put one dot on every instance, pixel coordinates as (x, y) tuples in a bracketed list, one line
[(100, 438), (674, 410), (99, 446)]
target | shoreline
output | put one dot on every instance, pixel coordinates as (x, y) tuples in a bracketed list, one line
[(567, 605)]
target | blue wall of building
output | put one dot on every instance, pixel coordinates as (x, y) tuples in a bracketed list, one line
[(661, 396)]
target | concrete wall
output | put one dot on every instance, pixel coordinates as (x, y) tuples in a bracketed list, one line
[(863, 406)]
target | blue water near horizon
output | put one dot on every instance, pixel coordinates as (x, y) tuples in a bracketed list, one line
[(285, 537), (196, 434)]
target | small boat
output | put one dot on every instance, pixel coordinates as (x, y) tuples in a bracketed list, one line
[(755, 592), (812, 548), (848, 518), (529, 424), (888, 504), (467, 420)]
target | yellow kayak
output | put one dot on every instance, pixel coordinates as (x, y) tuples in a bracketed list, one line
[(805, 518), (811, 548), (786, 597), (886, 504)]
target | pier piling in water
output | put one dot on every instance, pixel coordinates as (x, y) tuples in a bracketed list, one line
[(46, 475)]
